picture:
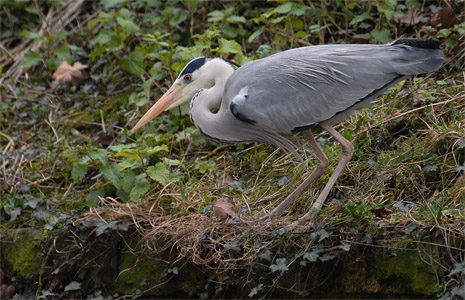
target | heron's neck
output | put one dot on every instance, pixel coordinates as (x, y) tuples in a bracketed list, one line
[(204, 106)]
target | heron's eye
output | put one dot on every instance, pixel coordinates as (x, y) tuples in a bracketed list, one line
[(187, 77)]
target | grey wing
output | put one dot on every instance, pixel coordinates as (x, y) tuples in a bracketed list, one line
[(297, 89)]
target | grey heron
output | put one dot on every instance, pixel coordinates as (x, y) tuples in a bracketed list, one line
[(293, 91)]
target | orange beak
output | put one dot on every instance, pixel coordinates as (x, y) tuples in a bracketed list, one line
[(165, 102)]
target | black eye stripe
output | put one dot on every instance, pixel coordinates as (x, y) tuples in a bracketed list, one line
[(193, 65)]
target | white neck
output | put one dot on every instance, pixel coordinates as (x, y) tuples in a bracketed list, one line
[(203, 106)]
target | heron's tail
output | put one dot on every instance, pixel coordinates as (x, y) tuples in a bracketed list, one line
[(417, 56), (418, 43)]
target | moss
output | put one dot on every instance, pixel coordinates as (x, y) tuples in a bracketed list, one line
[(21, 251), (404, 272), (144, 274)]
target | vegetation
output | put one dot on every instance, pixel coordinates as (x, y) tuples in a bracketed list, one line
[(71, 169)]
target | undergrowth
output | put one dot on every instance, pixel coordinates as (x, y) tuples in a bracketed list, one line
[(67, 156)]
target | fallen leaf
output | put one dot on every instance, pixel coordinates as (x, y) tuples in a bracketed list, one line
[(381, 211), (222, 208), (445, 18), (67, 73)]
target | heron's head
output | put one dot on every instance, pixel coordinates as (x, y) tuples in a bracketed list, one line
[(199, 73)]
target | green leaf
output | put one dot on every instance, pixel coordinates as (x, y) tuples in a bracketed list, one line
[(116, 43), (138, 191), (235, 19), (78, 172), (100, 155), (133, 64), (365, 36), (215, 16), (179, 16), (128, 164), (157, 71), (228, 46), (92, 198), (112, 174), (381, 35), (283, 8), (128, 180), (62, 54), (111, 3), (30, 59), (255, 34), (128, 25), (124, 12), (103, 37), (359, 18), (157, 149), (171, 162), (159, 173), (298, 9)]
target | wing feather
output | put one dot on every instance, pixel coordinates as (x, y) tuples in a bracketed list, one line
[(302, 87)]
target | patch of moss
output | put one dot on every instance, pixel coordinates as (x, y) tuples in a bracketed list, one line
[(141, 273), (21, 251), (404, 272)]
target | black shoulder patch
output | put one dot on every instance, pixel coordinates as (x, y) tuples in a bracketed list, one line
[(193, 65), (418, 43), (238, 115)]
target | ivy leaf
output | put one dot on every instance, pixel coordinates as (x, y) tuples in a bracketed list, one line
[(345, 247), (255, 290), (381, 35), (327, 257), (78, 172), (359, 18), (103, 37), (30, 59), (459, 268), (228, 46), (138, 191), (281, 265), (267, 255), (133, 64), (128, 25), (159, 173), (313, 255), (73, 286)]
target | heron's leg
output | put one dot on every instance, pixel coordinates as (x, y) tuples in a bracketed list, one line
[(322, 166), (347, 151)]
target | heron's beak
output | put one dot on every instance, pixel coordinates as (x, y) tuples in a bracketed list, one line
[(168, 100)]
